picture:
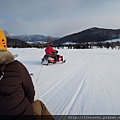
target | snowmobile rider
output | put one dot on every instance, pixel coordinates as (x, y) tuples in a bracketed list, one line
[(17, 89), (51, 52)]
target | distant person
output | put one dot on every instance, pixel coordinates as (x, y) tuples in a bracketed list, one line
[(50, 51), (17, 90)]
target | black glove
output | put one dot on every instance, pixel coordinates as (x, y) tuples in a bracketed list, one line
[(56, 51)]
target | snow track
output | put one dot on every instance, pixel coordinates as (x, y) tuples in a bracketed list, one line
[(87, 84)]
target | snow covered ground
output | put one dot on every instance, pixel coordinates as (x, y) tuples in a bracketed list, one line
[(87, 84)]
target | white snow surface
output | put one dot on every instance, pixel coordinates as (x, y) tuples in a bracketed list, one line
[(87, 84)]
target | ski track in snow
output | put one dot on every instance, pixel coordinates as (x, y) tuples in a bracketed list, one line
[(87, 84)]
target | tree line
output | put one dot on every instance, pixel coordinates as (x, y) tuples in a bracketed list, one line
[(88, 45)]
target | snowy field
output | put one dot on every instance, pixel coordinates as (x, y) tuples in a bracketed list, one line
[(87, 84)]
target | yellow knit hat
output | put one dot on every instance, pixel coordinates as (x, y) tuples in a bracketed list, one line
[(3, 41)]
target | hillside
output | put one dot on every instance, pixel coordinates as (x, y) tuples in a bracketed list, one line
[(90, 35), (16, 41)]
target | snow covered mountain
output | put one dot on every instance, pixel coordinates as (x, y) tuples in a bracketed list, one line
[(29, 38)]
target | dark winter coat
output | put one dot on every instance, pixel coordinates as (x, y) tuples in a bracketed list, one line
[(49, 50), (16, 90)]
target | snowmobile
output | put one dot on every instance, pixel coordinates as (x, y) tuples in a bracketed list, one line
[(46, 60)]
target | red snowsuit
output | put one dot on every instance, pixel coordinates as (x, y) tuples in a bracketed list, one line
[(49, 50)]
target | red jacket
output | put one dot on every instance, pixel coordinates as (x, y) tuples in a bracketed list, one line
[(49, 50)]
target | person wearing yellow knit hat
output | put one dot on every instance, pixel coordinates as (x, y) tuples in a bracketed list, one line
[(3, 41), (5, 55), (17, 89)]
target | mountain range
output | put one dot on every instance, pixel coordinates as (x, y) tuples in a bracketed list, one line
[(29, 38), (93, 34)]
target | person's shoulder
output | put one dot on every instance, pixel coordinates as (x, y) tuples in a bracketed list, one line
[(12, 65), (51, 46), (15, 63), (18, 62)]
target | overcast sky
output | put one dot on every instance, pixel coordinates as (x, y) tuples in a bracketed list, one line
[(58, 18)]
